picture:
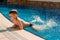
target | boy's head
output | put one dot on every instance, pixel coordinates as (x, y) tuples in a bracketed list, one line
[(13, 14)]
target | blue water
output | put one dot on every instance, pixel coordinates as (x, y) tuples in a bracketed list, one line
[(45, 14)]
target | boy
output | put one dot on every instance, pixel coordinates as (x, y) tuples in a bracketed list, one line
[(17, 23)]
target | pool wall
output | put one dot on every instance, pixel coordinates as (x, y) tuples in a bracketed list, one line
[(35, 3), (32, 3)]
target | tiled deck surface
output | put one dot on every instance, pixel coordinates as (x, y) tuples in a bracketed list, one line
[(7, 33)]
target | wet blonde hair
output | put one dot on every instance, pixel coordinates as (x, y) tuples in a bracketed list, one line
[(14, 11)]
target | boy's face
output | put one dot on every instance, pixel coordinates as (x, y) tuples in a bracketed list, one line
[(13, 16)]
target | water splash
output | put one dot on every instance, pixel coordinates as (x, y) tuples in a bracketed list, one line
[(37, 19), (49, 24), (39, 27)]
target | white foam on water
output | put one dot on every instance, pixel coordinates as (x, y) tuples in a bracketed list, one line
[(39, 27), (37, 19), (49, 24)]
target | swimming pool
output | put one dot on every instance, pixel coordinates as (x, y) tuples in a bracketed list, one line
[(46, 18)]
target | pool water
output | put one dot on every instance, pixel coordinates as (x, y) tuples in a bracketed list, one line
[(46, 20)]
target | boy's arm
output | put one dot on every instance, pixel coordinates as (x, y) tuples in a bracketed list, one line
[(19, 23)]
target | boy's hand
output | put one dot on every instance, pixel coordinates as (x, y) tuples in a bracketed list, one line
[(19, 23)]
